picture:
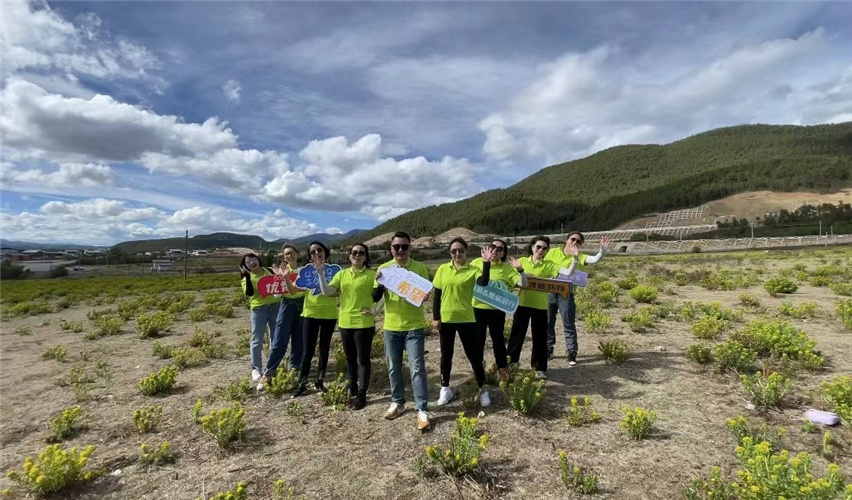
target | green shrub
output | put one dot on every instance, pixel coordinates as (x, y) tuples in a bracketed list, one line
[(62, 425), (188, 357), (780, 284), (639, 320), (219, 310), (151, 325), (766, 391), (462, 456), (160, 382), (74, 326), (614, 351), (236, 391), (580, 412), (780, 339), (156, 456), (805, 309), (576, 478), (225, 425), (161, 350), (54, 470), (838, 394), (844, 289), (56, 352), (750, 301), (597, 322), (197, 315), (643, 293), (108, 325), (637, 423), (663, 310), (59, 272), (337, 394), (295, 410), (146, 420), (283, 382), (709, 328), (740, 429), (844, 313), (713, 488), (239, 493), (701, 353), (524, 392), (628, 282), (213, 297)]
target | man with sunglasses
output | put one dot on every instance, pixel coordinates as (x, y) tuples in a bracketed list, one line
[(566, 307), (404, 331)]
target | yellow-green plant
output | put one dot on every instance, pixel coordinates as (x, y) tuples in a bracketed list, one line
[(637, 422), (732, 355), (295, 410), (188, 357), (160, 382), (805, 309), (236, 391), (740, 428), (337, 394), (196, 411), (844, 313), (161, 350), (639, 320), (841, 288), (597, 321), (462, 455), (219, 310), (628, 282), (580, 412), (766, 391), (54, 470), (56, 352), (575, 478), (713, 488), (524, 392), (225, 425), (239, 493), (750, 301), (151, 325), (780, 284), (709, 328), (147, 419), (645, 294), (74, 326), (280, 491), (773, 338), (838, 394), (614, 351), (156, 456), (701, 353), (829, 451), (197, 315), (62, 425), (107, 325), (283, 382)]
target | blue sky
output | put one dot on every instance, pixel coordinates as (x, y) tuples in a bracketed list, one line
[(132, 120)]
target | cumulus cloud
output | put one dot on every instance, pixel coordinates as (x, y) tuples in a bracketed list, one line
[(67, 174), (232, 89)]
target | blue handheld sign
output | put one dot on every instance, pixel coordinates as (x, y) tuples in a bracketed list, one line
[(308, 279), (496, 295)]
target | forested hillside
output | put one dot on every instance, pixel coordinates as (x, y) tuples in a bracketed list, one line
[(625, 182)]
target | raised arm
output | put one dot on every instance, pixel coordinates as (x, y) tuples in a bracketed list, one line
[(522, 276), (325, 288), (600, 255)]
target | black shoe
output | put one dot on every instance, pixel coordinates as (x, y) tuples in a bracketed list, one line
[(353, 391), (572, 358), (320, 386), (301, 389), (360, 402)]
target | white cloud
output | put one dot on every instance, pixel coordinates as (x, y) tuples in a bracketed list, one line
[(34, 37), (68, 174), (232, 89)]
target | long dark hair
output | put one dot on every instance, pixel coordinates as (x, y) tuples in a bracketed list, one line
[(366, 253), (246, 273), (505, 249), (578, 233), (538, 238), (246, 256), (321, 245)]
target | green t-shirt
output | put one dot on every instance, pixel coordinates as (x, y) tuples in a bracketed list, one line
[(557, 255), (356, 293), (456, 287), (297, 294), (319, 306), (401, 315), (256, 300), (500, 271), (543, 269)]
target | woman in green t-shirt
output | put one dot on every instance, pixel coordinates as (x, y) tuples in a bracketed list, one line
[(264, 311), (357, 321)]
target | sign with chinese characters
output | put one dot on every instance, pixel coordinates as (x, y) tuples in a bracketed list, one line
[(273, 284), (563, 288), (309, 280), (579, 278), (496, 295), (410, 286)]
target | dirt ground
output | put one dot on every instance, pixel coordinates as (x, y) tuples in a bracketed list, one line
[(356, 455)]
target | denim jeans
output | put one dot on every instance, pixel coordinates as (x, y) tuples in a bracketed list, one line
[(413, 341), (261, 317), (567, 309), (288, 329)]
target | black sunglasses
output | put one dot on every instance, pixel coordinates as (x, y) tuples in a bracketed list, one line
[(357, 253), (498, 248), (317, 251), (455, 251), (575, 240), (539, 247), (400, 248)]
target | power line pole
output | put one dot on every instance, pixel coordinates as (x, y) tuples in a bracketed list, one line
[(185, 254)]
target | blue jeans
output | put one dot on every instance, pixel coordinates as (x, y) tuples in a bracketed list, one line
[(288, 326), (413, 341), (261, 317), (567, 309)]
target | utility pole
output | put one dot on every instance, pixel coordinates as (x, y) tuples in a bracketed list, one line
[(751, 224), (820, 227), (185, 255)]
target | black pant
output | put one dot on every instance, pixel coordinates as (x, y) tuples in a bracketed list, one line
[(523, 317), (314, 328), (357, 343), (494, 321), (473, 349)]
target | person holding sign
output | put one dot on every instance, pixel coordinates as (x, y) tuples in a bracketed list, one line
[(264, 310), (357, 320), (491, 319), (288, 328), (533, 304), (565, 306), (319, 317), (452, 311), (404, 331)]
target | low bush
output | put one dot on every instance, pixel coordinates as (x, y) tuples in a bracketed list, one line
[(62, 425), (643, 293), (146, 420), (462, 456), (575, 478), (160, 382), (766, 391), (156, 456), (55, 469), (701, 353), (524, 392), (780, 284), (637, 423), (580, 412), (226, 425), (614, 351)]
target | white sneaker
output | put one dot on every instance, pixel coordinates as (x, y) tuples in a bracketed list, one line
[(423, 421), (395, 410), (540, 375), (446, 396), (255, 374), (484, 399), (572, 363), (261, 384)]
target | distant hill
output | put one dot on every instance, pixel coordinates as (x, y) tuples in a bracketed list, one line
[(28, 245), (622, 183), (222, 240)]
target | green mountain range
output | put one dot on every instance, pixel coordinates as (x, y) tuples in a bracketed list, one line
[(224, 240), (626, 182)]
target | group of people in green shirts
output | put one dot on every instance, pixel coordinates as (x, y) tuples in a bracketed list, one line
[(304, 319)]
